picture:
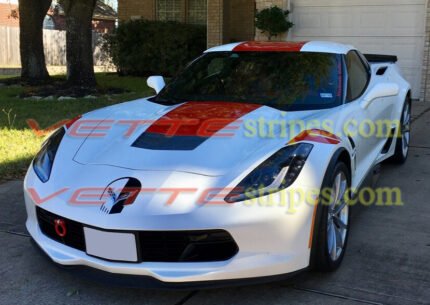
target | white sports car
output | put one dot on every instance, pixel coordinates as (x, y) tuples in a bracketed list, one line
[(241, 168)]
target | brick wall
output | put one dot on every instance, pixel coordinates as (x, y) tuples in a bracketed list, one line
[(239, 20), (262, 4), (99, 25), (233, 20), (5, 15), (215, 22), (146, 9), (135, 9)]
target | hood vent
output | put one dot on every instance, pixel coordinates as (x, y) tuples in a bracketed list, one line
[(157, 141)]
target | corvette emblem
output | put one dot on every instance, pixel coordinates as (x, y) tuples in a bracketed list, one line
[(118, 194)]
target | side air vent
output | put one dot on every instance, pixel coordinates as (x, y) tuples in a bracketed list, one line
[(381, 71), (389, 142), (352, 142)]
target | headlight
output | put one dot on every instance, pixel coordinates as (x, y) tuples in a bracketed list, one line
[(44, 160), (275, 174)]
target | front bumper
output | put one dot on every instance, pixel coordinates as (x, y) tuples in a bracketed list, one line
[(240, 267), (148, 282), (272, 243)]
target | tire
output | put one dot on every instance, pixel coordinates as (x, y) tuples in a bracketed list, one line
[(332, 222), (404, 135)]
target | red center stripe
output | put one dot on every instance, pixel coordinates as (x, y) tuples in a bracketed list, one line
[(197, 118), (260, 46)]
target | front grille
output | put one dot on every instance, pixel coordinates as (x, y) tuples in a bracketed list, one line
[(187, 246), (154, 246), (75, 231)]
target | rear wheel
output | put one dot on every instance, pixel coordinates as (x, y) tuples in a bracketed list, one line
[(404, 136), (333, 217)]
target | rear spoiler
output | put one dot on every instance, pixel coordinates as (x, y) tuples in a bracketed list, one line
[(375, 58)]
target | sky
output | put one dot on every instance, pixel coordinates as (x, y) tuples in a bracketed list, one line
[(113, 3), (9, 1)]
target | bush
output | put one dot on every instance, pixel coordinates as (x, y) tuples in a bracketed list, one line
[(142, 47), (273, 21)]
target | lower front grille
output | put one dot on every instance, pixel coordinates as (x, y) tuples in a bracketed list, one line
[(153, 246), (187, 246), (75, 231)]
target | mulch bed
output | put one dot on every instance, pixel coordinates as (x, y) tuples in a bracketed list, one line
[(58, 88)]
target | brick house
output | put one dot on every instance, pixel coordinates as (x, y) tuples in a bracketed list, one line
[(399, 27), (9, 13)]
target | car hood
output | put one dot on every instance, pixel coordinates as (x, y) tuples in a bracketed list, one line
[(211, 139)]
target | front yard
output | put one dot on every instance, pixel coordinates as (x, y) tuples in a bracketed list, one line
[(19, 143)]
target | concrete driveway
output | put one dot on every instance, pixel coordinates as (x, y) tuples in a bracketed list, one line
[(387, 262)]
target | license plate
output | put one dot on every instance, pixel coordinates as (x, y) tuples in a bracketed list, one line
[(111, 245)]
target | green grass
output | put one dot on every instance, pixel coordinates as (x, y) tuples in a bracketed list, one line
[(7, 76), (19, 144)]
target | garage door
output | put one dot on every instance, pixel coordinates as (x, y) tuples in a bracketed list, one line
[(373, 26)]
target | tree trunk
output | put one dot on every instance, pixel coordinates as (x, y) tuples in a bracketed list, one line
[(80, 63), (31, 16)]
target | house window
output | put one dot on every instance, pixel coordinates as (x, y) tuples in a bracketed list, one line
[(169, 10), (188, 11), (197, 12)]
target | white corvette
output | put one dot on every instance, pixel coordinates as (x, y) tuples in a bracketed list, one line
[(241, 168)]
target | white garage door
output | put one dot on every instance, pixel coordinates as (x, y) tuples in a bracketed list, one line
[(374, 26)]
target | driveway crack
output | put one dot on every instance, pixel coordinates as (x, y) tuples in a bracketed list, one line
[(420, 115), (187, 297), (420, 147), (339, 296), (15, 233)]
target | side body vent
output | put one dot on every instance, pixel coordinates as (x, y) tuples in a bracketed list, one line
[(381, 70)]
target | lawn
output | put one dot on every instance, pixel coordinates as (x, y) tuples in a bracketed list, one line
[(19, 144), (6, 76)]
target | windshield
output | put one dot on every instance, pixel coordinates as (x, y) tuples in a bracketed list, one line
[(283, 80)]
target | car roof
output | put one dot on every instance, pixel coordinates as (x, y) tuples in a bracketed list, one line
[(284, 46)]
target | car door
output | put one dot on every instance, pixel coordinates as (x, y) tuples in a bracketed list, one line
[(360, 123), (382, 108)]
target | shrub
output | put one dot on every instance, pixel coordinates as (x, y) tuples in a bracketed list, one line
[(142, 47), (273, 21)]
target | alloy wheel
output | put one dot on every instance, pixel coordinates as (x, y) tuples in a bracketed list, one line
[(406, 129), (338, 217)]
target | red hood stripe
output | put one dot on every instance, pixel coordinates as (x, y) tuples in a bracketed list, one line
[(195, 118), (260, 46)]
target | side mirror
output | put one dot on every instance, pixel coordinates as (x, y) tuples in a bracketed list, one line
[(156, 82), (378, 91)]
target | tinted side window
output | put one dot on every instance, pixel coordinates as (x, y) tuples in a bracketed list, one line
[(364, 60), (358, 76)]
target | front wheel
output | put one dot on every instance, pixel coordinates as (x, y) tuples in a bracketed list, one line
[(332, 220), (404, 135)]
